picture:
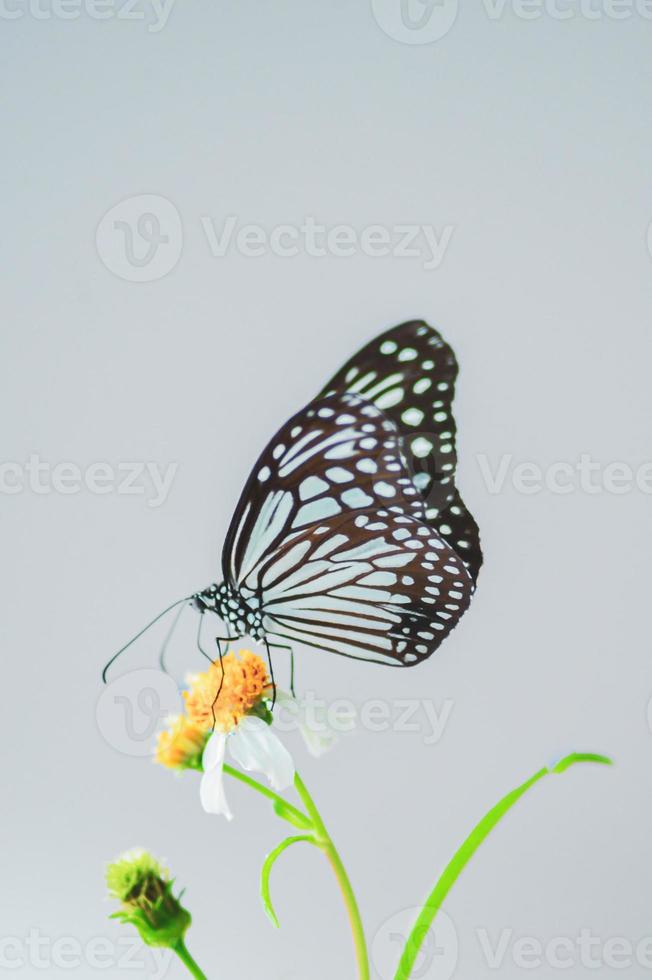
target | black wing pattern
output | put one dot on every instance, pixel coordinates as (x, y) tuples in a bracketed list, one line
[(338, 455), (330, 540), (409, 372), (380, 586)]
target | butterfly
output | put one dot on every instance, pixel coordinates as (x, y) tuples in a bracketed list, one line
[(350, 535)]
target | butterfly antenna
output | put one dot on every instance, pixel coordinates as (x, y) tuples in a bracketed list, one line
[(166, 641), (140, 633)]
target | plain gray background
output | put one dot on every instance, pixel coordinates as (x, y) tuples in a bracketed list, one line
[(530, 138)]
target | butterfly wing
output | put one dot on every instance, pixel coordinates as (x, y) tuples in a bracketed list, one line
[(338, 455), (382, 587), (409, 372), (330, 539)]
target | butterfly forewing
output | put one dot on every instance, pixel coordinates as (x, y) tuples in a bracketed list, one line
[(339, 455), (409, 372)]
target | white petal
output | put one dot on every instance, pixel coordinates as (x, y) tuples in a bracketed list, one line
[(213, 755), (256, 748), (211, 789)]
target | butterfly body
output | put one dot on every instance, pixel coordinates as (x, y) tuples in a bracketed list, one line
[(229, 605)]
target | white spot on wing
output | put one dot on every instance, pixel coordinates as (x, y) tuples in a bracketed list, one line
[(356, 498), (339, 475), (384, 489), (318, 510), (312, 486)]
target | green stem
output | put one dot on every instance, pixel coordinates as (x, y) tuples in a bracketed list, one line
[(182, 952), (264, 791), (466, 852), (324, 840)]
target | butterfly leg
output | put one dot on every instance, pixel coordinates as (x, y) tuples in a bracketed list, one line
[(211, 660), (271, 672), (285, 646), (219, 689), (218, 640)]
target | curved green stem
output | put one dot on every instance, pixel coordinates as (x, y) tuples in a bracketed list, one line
[(182, 952), (323, 839), (270, 861), (466, 852)]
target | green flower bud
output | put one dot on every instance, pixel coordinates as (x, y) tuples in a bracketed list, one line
[(144, 889)]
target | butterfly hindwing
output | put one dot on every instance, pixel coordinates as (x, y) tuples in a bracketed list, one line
[(409, 372), (378, 586)]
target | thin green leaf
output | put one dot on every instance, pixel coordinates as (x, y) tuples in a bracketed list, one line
[(575, 757), (266, 870), (467, 850)]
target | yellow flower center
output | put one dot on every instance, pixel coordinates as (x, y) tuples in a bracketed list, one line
[(242, 687), (181, 746)]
